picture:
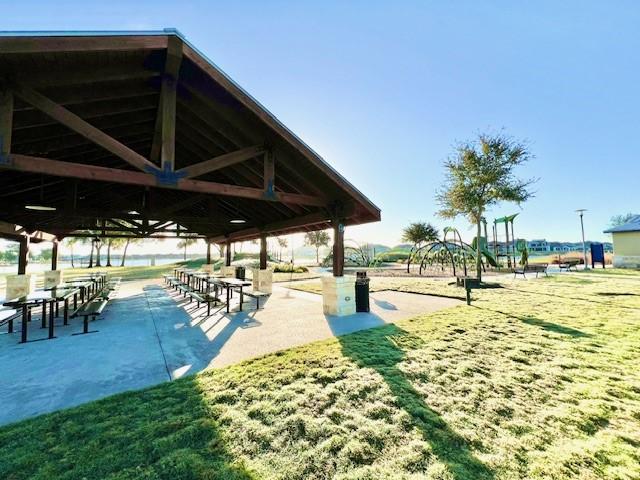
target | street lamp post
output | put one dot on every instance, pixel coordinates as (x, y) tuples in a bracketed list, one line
[(580, 212)]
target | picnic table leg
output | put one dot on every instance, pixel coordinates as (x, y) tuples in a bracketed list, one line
[(51, 322), (43, 323), (228, 298), (25, 315), (66, 311), (85, 326), (241, 297), (10, 325), (75, 301)]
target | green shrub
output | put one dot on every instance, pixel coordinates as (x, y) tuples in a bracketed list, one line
[(289, 268), (393, 256)]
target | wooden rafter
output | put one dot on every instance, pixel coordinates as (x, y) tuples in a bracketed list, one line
[(219, 162), (85, 129), (163, 146)]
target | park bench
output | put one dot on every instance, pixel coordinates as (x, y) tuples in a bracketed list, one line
[(7, 316), (569, 264), (91, 309), (537, 269), (254, 294)]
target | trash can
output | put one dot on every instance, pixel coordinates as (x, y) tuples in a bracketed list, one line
[(362, 292), (240, 273)]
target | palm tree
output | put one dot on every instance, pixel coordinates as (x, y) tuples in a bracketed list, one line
[(317, 239), (184, 243), (417, 234)]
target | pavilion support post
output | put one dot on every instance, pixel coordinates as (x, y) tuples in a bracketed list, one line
[(53, 278), (262, 278), (208, 252), (338, 248), (338, 291), (54, 255), (227, 252), (22, 283), (23, 255), (263, 252), (6, 122)]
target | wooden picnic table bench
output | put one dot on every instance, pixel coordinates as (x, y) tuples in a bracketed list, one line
[(254, 294), (568, 265), (91, 309), (7, 316), (535, 268)]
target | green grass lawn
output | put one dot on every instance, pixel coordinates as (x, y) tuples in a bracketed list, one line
[(431, 286), (535, 380)]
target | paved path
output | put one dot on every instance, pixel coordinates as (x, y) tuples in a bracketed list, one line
[(149, 335)]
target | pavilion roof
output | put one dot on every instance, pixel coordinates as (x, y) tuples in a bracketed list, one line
[(139, 134)]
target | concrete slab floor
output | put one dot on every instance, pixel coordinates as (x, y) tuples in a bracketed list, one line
[(150, 334)]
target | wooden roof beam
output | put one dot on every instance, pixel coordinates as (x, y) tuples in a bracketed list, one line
[(85, 129), (221, 161), (163, 146), (58, 168)]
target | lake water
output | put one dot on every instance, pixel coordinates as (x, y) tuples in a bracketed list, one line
[(115, 261)]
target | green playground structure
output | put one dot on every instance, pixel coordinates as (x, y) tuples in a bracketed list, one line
[(452, 252)]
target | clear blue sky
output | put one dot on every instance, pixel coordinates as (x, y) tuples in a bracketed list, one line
[(383, 91)]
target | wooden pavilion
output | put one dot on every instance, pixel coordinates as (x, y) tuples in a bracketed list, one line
[(138, 134)]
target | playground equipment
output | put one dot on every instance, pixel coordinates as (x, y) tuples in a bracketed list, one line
[(509, 252), (451, 252)]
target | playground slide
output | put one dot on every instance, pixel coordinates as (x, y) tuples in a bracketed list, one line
[(485, 251)]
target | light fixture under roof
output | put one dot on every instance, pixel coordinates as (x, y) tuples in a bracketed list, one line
[(42, 208), (237, 220)]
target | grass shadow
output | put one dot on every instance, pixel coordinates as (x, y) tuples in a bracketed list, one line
[(383, 349), (549, 326), (162, 432)]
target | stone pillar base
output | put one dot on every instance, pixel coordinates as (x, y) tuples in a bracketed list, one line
[(228, 271), (207, 267), (262, 280), (52, 278), (339, 296), (626, 261), (19, 285)]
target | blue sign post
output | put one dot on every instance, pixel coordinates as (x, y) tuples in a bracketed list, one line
[(597, 254)]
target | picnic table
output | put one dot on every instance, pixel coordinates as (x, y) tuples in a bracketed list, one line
[(26, 302), (230, 284), (84, 286), (63, 294)]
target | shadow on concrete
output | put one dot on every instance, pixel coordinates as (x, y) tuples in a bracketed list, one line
[(161, 432), (384, 304), (383, 350)]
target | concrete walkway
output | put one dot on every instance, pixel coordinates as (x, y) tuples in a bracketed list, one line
[(149, 335)]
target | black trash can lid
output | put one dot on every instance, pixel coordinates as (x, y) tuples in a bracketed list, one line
[(361, 274)]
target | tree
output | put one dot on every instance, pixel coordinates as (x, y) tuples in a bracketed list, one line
[(184, 243), (282, 244), (417, 234), (113, 243), (618, 220), (71, 241), (129, 241), (317, 240), (480, 174)]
